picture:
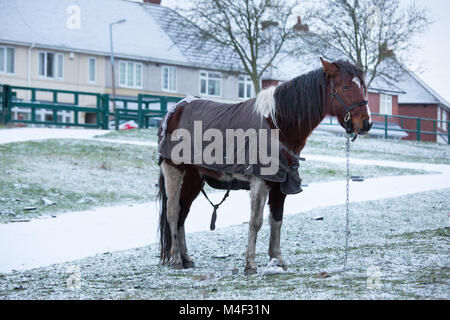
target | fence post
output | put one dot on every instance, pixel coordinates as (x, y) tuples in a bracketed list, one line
[(385, 126), (117, 120), (140, 111), (6, 103), (418, 129), (448, 132), (104, 111)]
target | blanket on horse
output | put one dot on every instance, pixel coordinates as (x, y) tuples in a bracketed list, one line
[(220, 116)]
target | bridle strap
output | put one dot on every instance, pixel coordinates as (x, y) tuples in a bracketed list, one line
[(348, 109)]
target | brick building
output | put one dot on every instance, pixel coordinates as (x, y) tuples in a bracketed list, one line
[(409, 97)]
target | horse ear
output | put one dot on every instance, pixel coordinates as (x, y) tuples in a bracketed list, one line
[(329, 68)]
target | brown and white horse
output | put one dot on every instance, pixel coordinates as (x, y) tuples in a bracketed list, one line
[(295, 108)]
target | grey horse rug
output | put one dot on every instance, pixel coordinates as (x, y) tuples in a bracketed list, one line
[(228, 138)]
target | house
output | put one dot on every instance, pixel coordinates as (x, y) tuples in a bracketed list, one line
[(383, 97), (65, 44), (410, 98), (421, 101)]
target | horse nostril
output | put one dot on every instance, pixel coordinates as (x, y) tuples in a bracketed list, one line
[(366, 125)]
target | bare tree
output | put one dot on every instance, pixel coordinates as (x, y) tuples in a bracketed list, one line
[(367, 32), (256, 30)]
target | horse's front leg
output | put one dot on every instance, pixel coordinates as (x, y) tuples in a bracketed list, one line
[(258, 197), (276, 204), (173, 182)]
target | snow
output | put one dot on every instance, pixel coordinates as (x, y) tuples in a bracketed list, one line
[(272, 268), (52, 23), (417, 91), (77, 235), (32, 134)]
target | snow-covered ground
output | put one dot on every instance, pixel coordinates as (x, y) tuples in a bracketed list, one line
[(78, 235), (398, 249), (31, 134)]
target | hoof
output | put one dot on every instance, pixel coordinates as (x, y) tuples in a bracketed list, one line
[(249, 271), (176, 265), (282, 265), (188, 264)]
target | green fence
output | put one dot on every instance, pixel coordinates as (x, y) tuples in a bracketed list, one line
[(106, 108), (102, 108), (419, 127)]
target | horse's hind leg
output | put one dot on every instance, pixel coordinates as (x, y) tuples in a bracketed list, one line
[(276, 204), (192, 185), (258, 196), (173, 182)]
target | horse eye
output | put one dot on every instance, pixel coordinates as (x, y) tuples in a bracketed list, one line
[(345, 88)]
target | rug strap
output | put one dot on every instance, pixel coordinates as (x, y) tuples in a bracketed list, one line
[(212, 225)]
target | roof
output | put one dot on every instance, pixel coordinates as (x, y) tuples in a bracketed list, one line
[(417, 91), (200, 52), (145, 35)]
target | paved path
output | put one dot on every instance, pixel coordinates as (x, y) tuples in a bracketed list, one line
[(77, 235)]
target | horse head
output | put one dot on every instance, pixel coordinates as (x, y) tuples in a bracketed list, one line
[(348, 96)]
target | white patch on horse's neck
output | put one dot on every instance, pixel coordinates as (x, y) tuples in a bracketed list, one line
[(265, 103)]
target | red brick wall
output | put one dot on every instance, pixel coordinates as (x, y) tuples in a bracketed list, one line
[(374, 102), (420, 111), (374, 105)]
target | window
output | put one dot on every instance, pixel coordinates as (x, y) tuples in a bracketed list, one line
[(7, 60), (51, 65), (92, 70), (385, 104), (210, 83), (245, 86), (130, 74), (169, 78)]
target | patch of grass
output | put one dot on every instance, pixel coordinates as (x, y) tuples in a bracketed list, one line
[(150, 135), (409, 247), (315, 171), (317, 143), (74, 174), (379, 149), (81, 174)]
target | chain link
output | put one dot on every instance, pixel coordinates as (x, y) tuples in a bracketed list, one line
[(347, 201)]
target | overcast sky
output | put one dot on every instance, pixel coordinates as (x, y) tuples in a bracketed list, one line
[(433, 57)]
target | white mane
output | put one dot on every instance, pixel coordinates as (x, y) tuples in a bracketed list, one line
[(265, 103)]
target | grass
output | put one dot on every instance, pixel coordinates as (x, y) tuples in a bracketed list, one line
[(379, 149), (149, 135), (81, 174), (406, 238), (74, 174), (324, 144)]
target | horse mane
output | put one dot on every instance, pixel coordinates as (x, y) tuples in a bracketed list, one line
[(299, 102)]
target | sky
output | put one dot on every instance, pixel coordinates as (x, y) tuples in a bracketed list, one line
[(435, 47), (432, 59)]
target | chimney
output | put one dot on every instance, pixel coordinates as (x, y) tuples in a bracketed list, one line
[(153, 1), (301, 27)]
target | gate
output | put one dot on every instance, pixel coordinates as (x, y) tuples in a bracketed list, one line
[(65, 108)]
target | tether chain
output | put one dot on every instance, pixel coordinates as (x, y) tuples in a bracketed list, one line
[(347, 202)]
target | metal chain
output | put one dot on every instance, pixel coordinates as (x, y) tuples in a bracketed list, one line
[(347, 202)]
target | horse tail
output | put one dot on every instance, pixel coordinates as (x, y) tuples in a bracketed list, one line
[(165, 237)]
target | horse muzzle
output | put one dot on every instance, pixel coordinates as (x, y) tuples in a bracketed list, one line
[(366, 126)]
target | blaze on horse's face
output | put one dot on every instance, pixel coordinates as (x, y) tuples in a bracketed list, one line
[(349, 89)]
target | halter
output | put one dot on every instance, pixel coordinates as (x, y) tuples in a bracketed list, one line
[(348, 109)]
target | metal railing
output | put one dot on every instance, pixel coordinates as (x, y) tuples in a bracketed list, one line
[(52, 109), (407, 124)]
